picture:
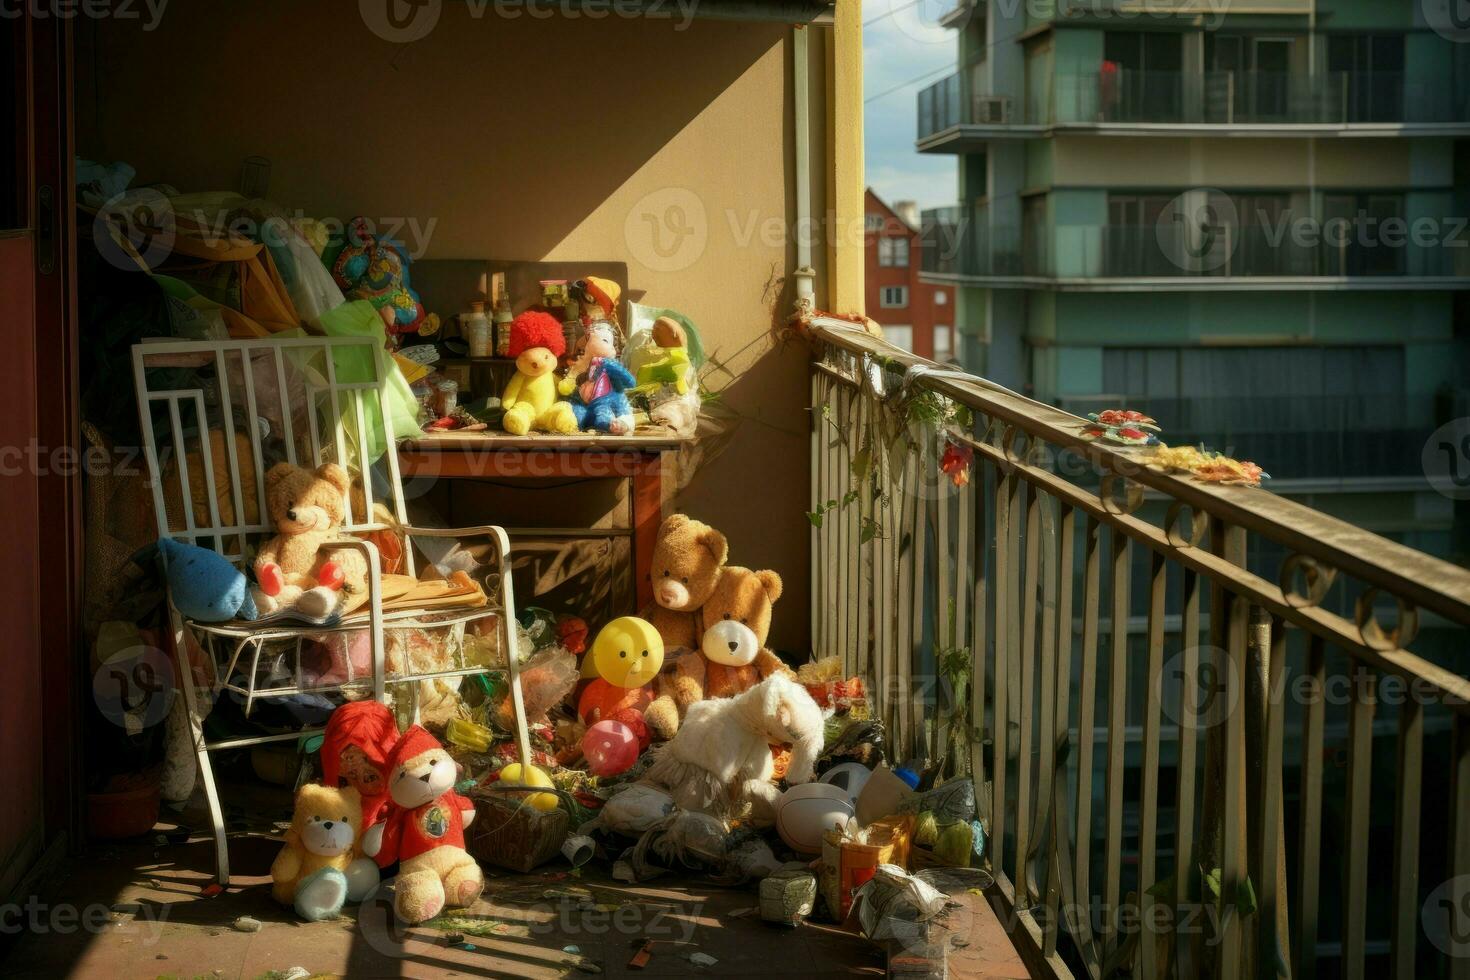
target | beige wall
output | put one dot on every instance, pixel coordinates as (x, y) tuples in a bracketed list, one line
[(522, 139), (1089, 161)]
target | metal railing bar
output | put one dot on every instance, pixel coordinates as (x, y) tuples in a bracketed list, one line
[(1425, 581), (1000, 730), (1359, 800), (1406, 839), (1026, 707), (1449, 687), (1117, 723), (1086, 714), (1149, 793), (1047, 723), (1309, 845)]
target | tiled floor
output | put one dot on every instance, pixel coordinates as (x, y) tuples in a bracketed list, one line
[(146, 916)]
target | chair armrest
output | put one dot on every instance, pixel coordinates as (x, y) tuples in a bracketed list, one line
[(492, 531)]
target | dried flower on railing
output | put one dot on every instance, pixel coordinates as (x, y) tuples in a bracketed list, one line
[(956, 463), (1206, 466)]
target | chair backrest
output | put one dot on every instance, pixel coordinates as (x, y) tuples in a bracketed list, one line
[(216, 415)]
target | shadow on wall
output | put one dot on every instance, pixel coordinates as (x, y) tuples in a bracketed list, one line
[(504, 133)]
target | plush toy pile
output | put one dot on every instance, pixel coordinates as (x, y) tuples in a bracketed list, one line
[(675, 738)]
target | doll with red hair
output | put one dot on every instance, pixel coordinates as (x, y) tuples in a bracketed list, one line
[(359, 739), (530, 400)]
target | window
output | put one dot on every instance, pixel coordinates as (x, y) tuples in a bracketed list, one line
[(893, 252), (873, 223), (894, 297), (940, 297), (943, 342), (899, 335)]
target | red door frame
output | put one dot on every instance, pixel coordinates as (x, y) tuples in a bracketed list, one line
[(44, 73)]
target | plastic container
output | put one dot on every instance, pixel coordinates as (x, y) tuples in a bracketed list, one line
[(478, 332)]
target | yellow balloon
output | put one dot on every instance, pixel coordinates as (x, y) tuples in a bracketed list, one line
[(511, 776), (628, 652)]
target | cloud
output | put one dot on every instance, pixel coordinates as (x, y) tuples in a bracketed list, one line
[(905, 51)]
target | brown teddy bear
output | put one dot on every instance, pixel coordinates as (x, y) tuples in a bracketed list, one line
[(298, 568), (318, 869), (424, 831), (732, 656), (687, 558)]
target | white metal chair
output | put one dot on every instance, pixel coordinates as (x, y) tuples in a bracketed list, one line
[(230, 409)]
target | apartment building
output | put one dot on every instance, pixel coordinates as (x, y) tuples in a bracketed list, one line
[(1251, 225), (917, 316)]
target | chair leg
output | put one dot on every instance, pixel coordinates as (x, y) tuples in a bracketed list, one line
[(206, 771)]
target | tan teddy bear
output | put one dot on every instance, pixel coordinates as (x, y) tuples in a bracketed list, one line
[(687, 558), (298, 568), (319, 869), (424, 831), (732, 656)]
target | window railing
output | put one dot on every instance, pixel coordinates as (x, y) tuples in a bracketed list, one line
[(1122, 96), (974, 243), (1213, 732)]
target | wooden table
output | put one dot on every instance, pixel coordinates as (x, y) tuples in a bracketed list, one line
[(499, 455)]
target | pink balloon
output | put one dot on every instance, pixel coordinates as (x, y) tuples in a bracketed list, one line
[(611, 747)]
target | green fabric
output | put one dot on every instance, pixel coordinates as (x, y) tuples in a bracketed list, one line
[(356, 365)]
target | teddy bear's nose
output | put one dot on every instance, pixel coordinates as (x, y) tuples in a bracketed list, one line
[(424, 778), (734, 646), (327, 824), (290, 515)]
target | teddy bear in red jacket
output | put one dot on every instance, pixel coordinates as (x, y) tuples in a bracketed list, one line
[(424, 831)]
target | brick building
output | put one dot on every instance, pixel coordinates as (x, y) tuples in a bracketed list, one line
[(915, 315)]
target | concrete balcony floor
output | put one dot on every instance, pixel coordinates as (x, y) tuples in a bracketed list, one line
[(156, 921)]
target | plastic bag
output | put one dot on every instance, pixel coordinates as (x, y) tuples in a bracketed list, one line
[(545, 681), (860, 741)]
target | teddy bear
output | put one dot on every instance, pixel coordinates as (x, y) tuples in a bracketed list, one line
[(596, 382), (424, 831), (530, 400), (318, 868), (298, 568), (688, 556), (732, 656)]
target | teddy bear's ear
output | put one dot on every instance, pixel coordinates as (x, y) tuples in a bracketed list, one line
[(771, 582), (714, 542), (672, 523), (335, 475), (278, 473)]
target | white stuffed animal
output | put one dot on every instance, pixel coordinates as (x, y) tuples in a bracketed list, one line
[(720, 761)]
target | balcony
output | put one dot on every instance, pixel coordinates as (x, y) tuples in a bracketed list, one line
[(1216, 732), (952, 118), (968, 247)]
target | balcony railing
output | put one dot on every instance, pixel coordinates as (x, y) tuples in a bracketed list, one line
[(1123, 96), (966, 243), (1209, 735)]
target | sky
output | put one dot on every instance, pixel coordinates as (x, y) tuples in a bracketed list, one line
[(903, 42)]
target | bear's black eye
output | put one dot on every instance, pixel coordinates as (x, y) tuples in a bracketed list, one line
[(344, 820), (685, 580), (745, 622), (433, 762), (668, 574), (727, 615), (645, 653), (623, 654)]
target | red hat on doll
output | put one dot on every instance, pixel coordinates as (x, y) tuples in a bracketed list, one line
[(415, 741), (369, 725), (536, 329)]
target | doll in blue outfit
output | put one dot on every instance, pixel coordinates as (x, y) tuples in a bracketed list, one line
[(596, 382)]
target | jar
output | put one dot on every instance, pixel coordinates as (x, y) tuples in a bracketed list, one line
[(446, 397), (477, 331)]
